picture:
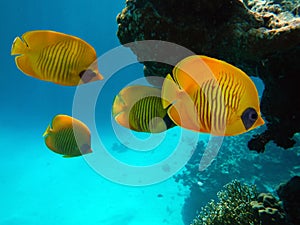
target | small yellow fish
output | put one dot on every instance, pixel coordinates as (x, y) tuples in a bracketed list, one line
[(56, 57), (68, 136), (139, 108), (211, 96)]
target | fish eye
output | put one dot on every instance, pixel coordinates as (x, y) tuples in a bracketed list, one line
[(253, 115), (249, 117)]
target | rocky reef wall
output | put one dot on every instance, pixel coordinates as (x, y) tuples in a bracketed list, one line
[(260, 37)]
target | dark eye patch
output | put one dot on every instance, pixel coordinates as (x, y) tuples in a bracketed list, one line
[(249, 117), (87, 75)]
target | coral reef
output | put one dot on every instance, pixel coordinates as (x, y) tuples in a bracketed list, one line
[(234, 161), (241, 204), (234, 206), (269, 210), (289, 193), (260, 37)]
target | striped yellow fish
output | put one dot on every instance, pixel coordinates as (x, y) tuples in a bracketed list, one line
[(68, 136), (211, 96), (56, 57), (139, 108)]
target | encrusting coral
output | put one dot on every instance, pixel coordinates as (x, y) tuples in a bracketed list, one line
[(241, 204)]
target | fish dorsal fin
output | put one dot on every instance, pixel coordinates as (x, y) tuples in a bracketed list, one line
[(192, 72), (137, 92), (219, 68), (62, 122), (39, 39)]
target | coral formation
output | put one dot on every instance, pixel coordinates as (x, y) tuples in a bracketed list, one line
[(234, 206), (260, 37), (289, 193), (269, 210), (234, 162), (241, 204)]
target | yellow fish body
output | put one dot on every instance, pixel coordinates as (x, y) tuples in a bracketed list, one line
[(211, 96), (56, 57), (68, 136), (139, 108)]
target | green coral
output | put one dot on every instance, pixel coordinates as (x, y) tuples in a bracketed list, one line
[(234, 206)]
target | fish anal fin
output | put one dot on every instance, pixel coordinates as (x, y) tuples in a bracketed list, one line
[(49, 144), (123, 119), (24, 64)]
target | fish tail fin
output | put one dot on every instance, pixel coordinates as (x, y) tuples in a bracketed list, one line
[(170, 95), (120, 112), (170, 91), (47, 131), (18, 47), (181, 109)]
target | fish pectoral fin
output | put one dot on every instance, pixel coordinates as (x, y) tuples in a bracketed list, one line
[(68, 156)]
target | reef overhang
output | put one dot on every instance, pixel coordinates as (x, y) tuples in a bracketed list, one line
[(260, 37)]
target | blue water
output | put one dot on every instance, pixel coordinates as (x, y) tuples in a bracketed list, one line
[(38, 186)]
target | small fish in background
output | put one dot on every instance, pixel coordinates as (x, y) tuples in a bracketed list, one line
[(56, 57), (139, 108), (209, 95), (68, 136)]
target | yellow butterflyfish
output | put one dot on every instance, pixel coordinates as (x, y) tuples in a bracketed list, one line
[(68, 136), (139, 108), (209, 95), (56, 57)]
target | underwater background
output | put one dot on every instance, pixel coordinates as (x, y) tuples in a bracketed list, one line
[(41, 187)]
